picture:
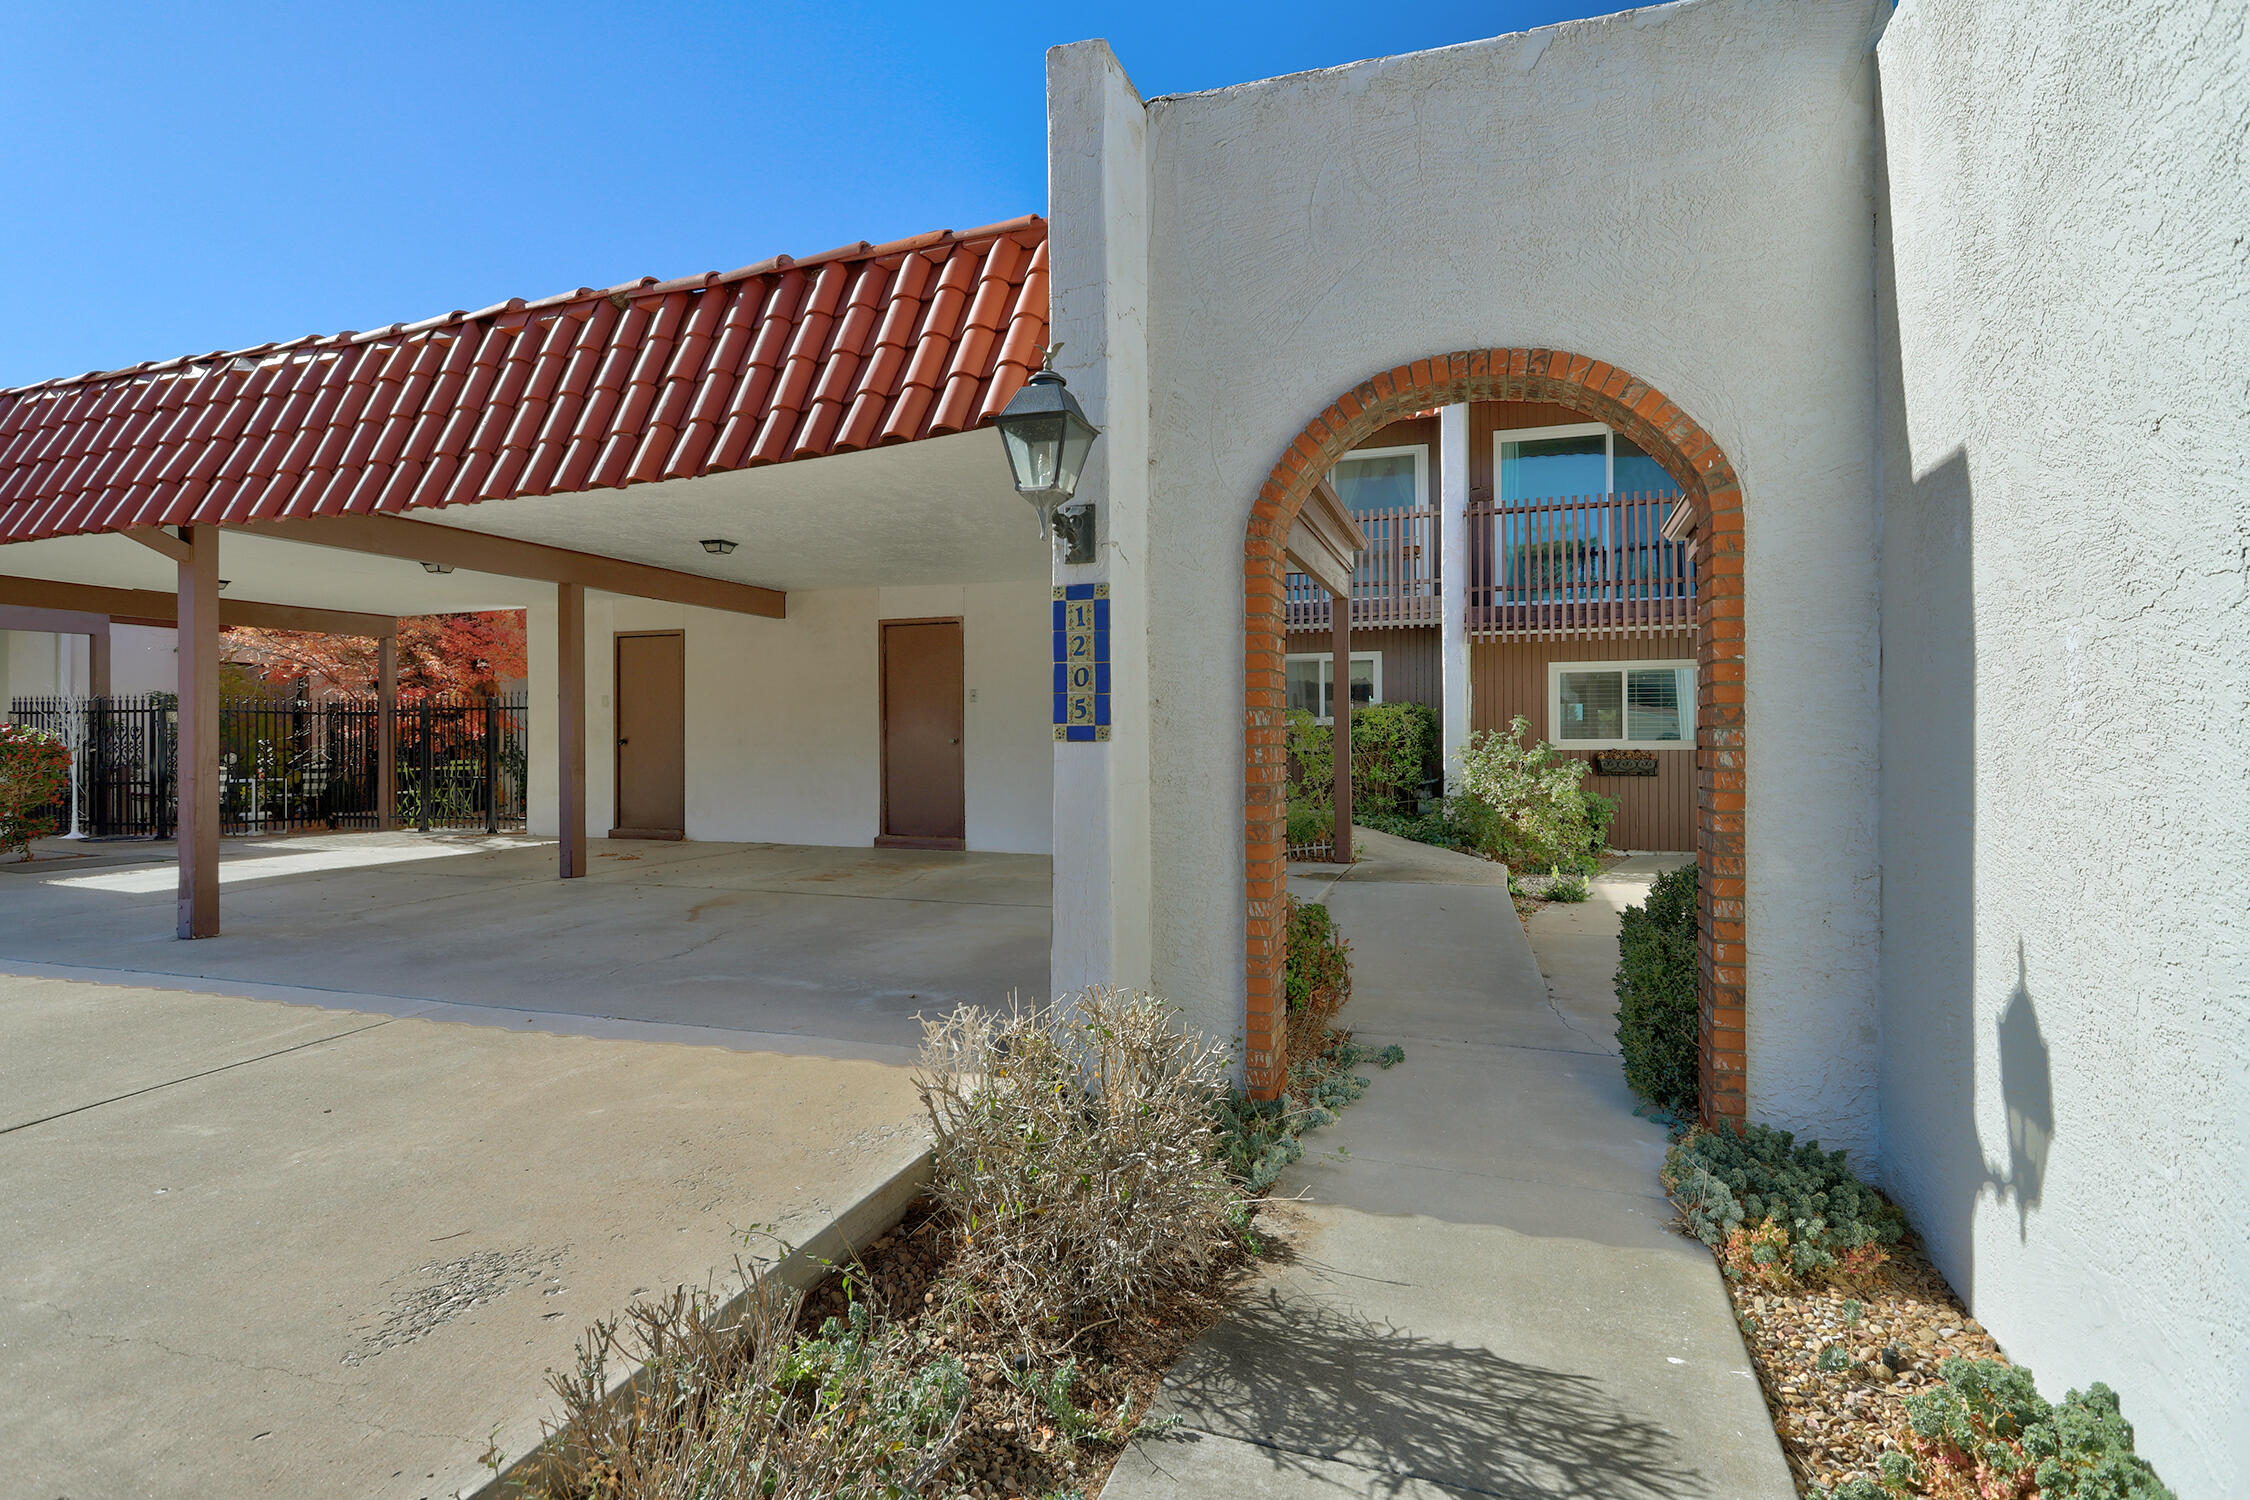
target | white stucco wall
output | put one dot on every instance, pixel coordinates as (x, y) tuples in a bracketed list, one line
[(1685, 192), (784, 716), (2066, 605)]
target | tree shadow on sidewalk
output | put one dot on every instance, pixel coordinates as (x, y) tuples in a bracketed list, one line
[(1317, 1384)]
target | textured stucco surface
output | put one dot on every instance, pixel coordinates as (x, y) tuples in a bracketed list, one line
[(1684, 192), (2066, 665), (784, 717)]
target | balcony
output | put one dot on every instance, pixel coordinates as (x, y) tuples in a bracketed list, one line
[(1571, 565)]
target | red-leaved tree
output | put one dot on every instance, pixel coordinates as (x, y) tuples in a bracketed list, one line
[(466, 653)]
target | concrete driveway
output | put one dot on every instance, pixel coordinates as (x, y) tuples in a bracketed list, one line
[(823, 950), (256, 1249), (273, 1223)]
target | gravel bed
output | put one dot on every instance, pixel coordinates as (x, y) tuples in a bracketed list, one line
[(1890, 1330)]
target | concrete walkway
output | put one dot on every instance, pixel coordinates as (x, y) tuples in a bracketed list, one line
[(264, 1250), (1486, 1298)]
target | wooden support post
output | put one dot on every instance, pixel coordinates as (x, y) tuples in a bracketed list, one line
[(198, 833), (97, 662), (386, 732), (1340, 616), (570, 723)]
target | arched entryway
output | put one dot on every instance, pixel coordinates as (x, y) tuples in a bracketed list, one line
[(1638, 410)]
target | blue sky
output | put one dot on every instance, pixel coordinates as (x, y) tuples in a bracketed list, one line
[(181, 178)]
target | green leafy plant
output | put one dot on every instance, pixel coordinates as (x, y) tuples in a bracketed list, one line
[(1779, 1214), (34, 775), (1316, 973), (1568, 889), (1051, 1389), (1656, 1007), (1542, 813), (1985, 1433)]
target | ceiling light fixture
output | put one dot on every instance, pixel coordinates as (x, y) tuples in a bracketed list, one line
[(437, 567), (717, 546)]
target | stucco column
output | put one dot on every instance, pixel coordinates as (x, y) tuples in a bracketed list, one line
[(1340, 636), (1098, 249), (386, 733), (1453, 588)]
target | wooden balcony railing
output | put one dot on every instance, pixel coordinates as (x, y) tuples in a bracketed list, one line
[(1583, 564), (1395, 582)]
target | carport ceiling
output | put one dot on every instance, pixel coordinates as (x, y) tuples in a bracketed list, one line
[(937, 511)]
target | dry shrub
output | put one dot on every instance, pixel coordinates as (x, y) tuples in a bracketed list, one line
[(744, 1407), (1075, 1149)]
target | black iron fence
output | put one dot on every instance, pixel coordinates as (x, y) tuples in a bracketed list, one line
[(288, 764)]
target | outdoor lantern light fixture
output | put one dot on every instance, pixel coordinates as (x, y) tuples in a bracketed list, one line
[(437, 567), (717, 546), (1048, 437)]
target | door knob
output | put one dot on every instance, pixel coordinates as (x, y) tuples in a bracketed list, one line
[(954, 741), (623, 741)]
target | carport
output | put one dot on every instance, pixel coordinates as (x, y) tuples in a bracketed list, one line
[(772, 474)]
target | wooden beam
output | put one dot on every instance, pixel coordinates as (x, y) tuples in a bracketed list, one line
[(148, 606), (570, 723), (480, 552), (1325, 541), (52, 621), (158, 539), (198, 774), (386, 732)]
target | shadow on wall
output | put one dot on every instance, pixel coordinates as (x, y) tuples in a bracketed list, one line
[(1314, 1384), (2027, 1090), (1933, 1160)]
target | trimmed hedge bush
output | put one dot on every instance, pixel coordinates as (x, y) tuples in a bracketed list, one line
[(1656, 1013), (1988, 1431), (1778, 1213)]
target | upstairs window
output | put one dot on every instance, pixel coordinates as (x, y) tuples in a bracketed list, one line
[(1378, 479), (1610, 705), (1547, 463)]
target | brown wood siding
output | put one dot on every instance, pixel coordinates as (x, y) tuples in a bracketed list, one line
[(1507, 678), (1413, 663)]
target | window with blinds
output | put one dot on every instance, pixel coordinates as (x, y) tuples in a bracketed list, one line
[(1610, 705)]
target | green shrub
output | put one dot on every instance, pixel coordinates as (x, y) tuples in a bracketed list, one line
[(1778, 1213), (1309, 822), (1541, 812), (34, 774), (1656, 1010), (1986, 1430), (1394, 749), (1316, 969)]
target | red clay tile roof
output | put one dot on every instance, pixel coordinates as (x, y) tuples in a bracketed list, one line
[(858, 348)]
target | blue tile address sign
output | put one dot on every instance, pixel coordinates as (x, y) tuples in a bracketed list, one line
[(1082, 661)]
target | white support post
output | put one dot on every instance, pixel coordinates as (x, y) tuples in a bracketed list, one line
[(1098, 197), (1453, 572)]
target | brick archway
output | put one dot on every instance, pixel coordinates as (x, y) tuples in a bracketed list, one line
[(1687, 452)]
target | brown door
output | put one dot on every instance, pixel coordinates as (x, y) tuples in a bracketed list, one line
[(922, 801), (651, 736)]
